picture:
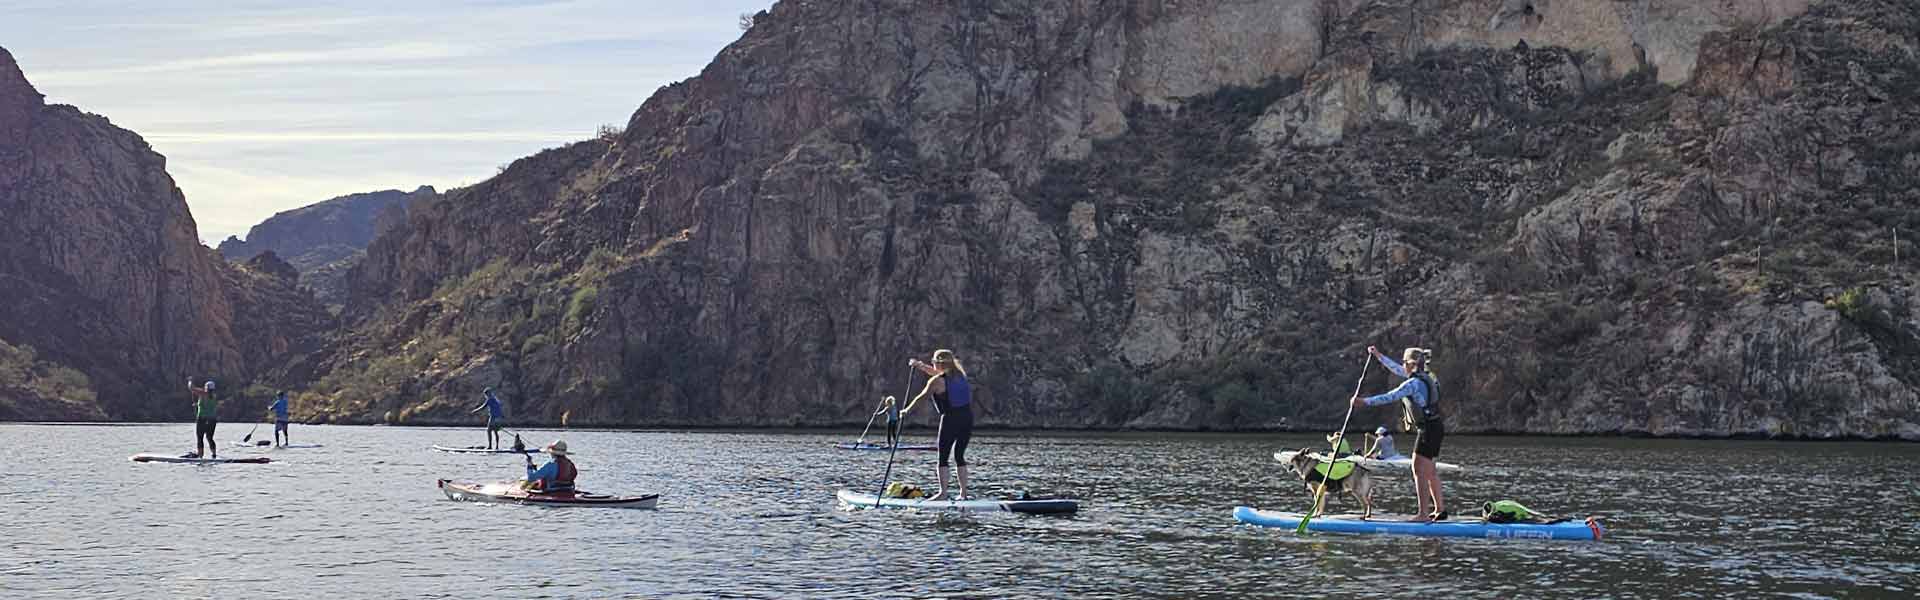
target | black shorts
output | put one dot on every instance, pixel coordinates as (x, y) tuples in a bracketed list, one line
[(493, 425), (203, 427), (1427, 441), (956, 429)]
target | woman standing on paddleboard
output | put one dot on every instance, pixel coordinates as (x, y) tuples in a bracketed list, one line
[(953, 398), (206, 416), (1419, 396)]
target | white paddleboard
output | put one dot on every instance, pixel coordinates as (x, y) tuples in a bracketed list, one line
[(483, 450), (866, 500), (1398, 464)]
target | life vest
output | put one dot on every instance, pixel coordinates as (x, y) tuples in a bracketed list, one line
[(562, 479), (959, 393), (1506, 511), (1337, 471), (1416, 416), (902, 490)]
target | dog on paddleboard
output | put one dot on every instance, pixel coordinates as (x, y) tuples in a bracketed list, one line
[(1357, 483)]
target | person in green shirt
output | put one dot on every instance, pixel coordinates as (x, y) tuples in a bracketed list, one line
[(206, 416)]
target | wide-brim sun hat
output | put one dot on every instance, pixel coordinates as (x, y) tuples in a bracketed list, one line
[(558, 448)]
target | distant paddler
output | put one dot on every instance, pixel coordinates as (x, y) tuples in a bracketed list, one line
[(1419, 396), (953, 398), (206, 416), (496, 417), (891, 408), (1381, 446), (279, 410)]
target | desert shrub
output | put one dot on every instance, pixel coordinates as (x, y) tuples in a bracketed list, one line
[(581, 306)]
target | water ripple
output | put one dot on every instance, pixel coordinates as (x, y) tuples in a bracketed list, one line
[(752, 515)]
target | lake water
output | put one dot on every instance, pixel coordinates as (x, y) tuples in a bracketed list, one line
[(752, 515)]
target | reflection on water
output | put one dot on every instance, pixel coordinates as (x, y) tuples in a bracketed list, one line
[(752, 515)]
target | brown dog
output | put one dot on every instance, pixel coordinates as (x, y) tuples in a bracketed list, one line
[(1358, 484)]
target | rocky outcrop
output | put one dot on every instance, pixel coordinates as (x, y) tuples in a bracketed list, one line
[(324, 240), (102, 269), (1123, 215)]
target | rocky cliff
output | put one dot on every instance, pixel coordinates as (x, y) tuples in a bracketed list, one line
[(105, 290), (323, 241), (1642, 216)]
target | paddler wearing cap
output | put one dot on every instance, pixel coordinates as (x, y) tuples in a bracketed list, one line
[(557, 475), (206, 417), (1381, 446), (496, 417), (1419, 396)]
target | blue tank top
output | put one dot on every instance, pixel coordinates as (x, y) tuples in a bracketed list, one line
[(959, 392)]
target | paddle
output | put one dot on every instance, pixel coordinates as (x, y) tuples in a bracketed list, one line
[(863, 432), (1320, 493), (249, 437), (894, 447)]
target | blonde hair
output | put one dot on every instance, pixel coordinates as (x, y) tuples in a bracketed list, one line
[(945, 359), (1420, 355)]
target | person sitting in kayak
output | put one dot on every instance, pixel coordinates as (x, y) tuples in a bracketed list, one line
[(557, 475), (206, 416), (1419, 396), (496, 417), (952, 398), (279, 409), (1381, 446)]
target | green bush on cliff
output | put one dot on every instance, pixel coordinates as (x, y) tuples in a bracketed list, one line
[(581, 306), (22, 372), (1856, 305)]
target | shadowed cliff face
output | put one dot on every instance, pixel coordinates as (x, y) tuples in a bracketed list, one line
[(1196, 216), (102, 270)]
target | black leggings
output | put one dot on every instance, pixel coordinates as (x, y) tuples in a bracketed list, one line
[(203, 429), (956, 429)]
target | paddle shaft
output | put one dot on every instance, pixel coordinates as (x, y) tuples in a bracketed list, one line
[(249, 436), (870, 418), (1320, 494), (893, 447)]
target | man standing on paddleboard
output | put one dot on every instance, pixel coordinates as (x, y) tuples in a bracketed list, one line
[(279, 409), (496, 418), (1419, 396), (206, 416), (953, 398)]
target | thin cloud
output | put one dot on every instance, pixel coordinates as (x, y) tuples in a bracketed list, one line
[(385, 54), (214, 137)]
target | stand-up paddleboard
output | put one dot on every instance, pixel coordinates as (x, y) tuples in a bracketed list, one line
[(865, 500), (509, 492), (883, 447), (169, 458), (484, 450), (1398, 464), (267, 445), (1565, 529)]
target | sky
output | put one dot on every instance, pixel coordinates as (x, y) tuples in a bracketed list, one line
[(261, 107)]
